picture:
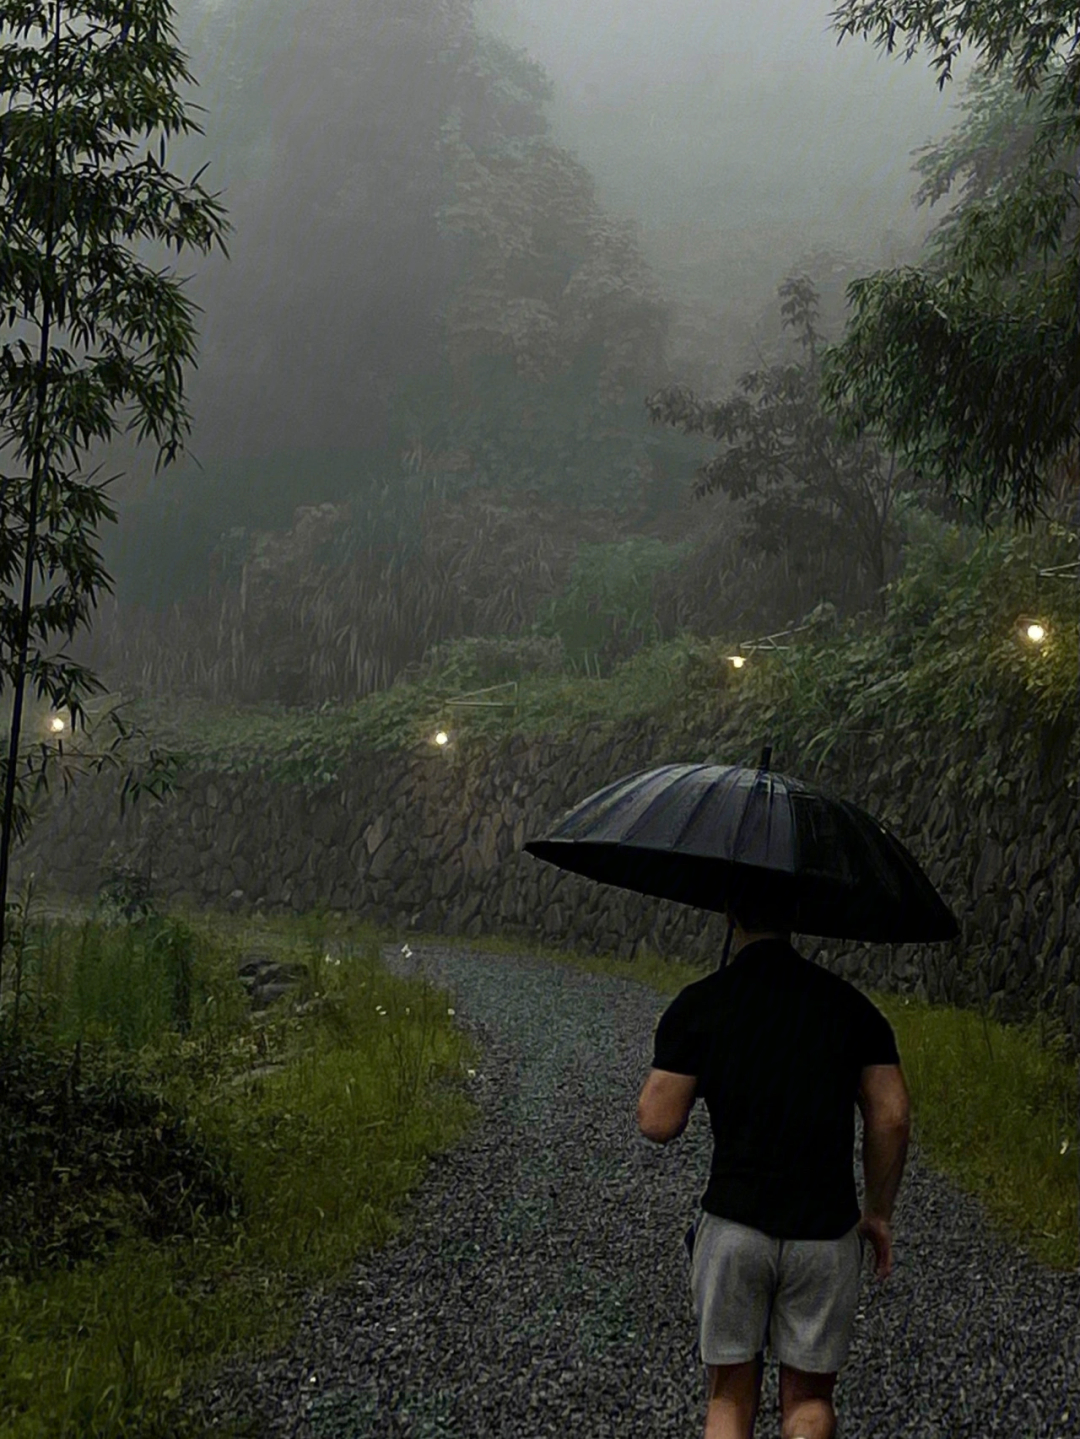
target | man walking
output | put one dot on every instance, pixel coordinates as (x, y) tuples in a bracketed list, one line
[(781, 1051)]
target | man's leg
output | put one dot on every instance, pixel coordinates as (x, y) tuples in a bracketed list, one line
[(734, 1395), (806, 1404)]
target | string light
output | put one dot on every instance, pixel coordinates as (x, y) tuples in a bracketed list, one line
[(1032, 629), (768, 642), (470, 701)]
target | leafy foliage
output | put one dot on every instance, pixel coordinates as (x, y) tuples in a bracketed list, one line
[(605, 611), (809, 494), (92, 1157), (557, 437), (805, 476), (60, 268), (971, 367), (127, 893), (555, 325), (319, 613), (476, 661), (946, 653), (949, 657), (550, 275)]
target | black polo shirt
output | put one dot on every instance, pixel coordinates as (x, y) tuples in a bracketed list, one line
[(777, 1044)]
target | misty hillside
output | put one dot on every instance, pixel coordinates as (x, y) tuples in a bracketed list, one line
[(465, 253)]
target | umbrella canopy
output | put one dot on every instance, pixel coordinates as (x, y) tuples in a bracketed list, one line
[(699, 833)]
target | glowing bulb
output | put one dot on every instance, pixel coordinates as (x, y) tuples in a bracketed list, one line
[(442, 737), (56, 724), (1035, 632), (737, 660)]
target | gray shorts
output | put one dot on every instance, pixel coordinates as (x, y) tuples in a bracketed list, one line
[(799, 1295)]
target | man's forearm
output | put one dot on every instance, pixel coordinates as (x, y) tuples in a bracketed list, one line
[(884, 1153)]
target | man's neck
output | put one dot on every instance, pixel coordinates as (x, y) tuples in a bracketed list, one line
[(740, 939)]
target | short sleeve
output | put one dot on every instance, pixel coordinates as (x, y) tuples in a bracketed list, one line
[(876, 1039), (677, 1046)]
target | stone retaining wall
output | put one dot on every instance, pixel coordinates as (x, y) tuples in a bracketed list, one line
[(433, 841)]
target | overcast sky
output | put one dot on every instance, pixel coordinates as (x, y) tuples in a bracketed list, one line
[(708, 117)]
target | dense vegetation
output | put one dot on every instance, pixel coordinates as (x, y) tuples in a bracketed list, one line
[(948, 651)]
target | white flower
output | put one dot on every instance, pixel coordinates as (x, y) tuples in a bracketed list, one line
[(449, 1011)]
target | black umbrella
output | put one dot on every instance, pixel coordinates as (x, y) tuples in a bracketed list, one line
[(702, 833)]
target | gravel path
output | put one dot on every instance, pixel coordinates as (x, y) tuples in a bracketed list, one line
[(545, 1289)]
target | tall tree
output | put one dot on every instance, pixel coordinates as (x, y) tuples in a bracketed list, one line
[(807, 491), (972, 365), (555, 329), (62, 268)]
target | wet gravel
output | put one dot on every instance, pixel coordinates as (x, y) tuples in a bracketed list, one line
[(541, 1286)]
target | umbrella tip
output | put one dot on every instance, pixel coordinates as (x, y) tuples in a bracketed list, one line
[(766, 756)]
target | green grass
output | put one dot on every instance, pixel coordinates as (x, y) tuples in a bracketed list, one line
[(321, 1124), (299, 1138)]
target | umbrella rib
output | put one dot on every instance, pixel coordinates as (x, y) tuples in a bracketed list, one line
[(627, 838), (742, 818)]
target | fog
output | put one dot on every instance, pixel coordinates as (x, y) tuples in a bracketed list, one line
[(736, 135), (738, 140), (727, 146)]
